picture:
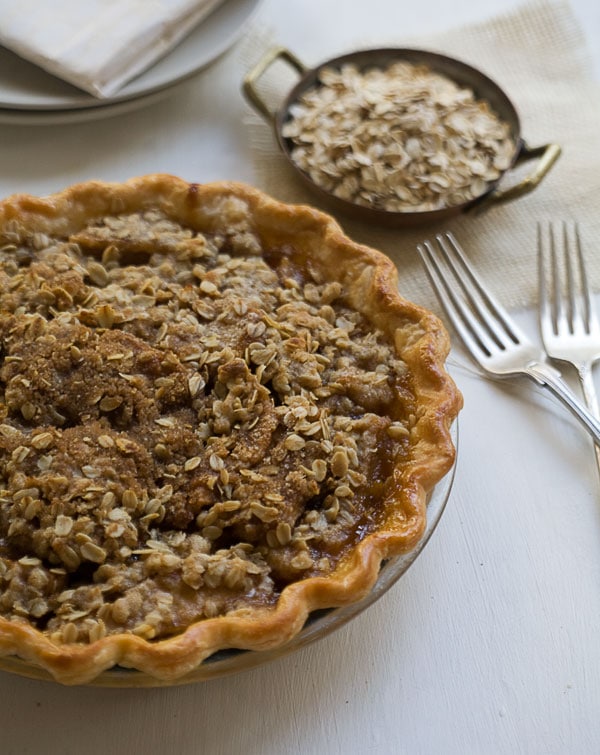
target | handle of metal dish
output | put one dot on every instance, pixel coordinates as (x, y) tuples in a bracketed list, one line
[(548, 154), (252, 78)]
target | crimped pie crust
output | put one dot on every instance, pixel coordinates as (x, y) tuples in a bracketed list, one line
[(217, 415)]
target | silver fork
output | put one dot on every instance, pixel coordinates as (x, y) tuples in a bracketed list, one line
[(495, 342), (568, 322)]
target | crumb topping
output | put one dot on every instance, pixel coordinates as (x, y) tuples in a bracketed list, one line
[(185, 429)]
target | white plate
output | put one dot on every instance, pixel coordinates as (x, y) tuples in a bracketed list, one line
[(16, 117), (24, 86)]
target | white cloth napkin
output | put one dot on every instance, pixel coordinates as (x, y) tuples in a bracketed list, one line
[(97, 45)]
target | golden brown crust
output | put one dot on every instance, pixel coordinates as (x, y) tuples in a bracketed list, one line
[(370, 279)]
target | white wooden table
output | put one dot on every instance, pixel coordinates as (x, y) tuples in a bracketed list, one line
[(490, 644)]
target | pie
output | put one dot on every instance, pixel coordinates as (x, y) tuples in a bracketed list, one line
[(217, 415)]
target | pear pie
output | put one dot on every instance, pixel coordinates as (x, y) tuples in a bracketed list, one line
[(217, 415)]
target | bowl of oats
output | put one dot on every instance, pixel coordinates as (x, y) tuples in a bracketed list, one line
[(399, 136)]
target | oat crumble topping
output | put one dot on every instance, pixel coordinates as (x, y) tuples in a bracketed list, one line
[(184, 429)]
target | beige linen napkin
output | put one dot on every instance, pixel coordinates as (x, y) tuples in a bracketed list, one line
[(97, 45), (537, 55)]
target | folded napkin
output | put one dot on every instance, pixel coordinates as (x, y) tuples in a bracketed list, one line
[(537, 54), (97, 45)]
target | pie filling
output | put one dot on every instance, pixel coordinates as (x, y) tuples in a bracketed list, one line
[(187, 426)]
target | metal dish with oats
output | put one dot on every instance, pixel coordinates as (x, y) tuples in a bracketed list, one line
[(398, 136), (217, 416)]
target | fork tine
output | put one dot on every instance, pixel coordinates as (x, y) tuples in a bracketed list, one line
[(558, 310), (569, 306), (560, 320), (481, 300), (546, 308), (473, 337), (585, 308), (586, 294), (570, 283), (566, 306), (478, 318)]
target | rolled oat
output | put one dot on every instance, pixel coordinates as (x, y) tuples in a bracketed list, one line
[(402, 138)]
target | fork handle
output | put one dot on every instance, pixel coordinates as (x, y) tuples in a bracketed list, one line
[(550, 378), (586, 379)]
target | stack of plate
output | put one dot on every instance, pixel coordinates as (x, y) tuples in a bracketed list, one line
[(30, 96)]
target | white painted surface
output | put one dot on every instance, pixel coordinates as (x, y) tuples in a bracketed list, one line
[(490, 643)]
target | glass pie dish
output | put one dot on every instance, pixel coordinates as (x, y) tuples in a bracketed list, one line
[(218, 417)]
